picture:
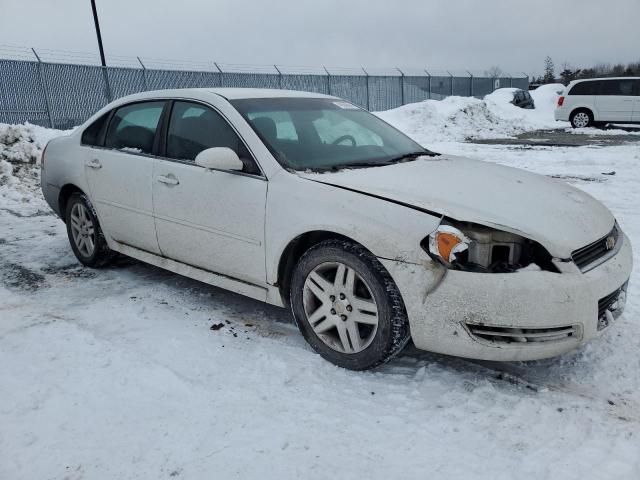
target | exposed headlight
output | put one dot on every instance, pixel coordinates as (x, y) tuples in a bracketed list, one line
[(448, 244), (476, 248)]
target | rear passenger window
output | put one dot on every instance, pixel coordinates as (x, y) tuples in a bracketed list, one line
[(93, 135), (585, 88), (617, 87), (194, 127), (133, 127)]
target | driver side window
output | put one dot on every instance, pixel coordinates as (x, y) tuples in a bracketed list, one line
[(194, 127), (332, 128)]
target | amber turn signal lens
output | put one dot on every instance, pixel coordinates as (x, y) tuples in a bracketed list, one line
[(446, 242)]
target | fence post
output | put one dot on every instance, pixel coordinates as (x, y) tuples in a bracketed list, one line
[(220, 72), (279, 76), (367, 80), (428, 84), (328, 80), (107, 87), (510, 81), (144, 75), (451, 81), (401, 86), (470, 83), (45, 91)]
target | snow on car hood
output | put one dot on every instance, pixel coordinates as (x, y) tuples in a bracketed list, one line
[(557, 215)]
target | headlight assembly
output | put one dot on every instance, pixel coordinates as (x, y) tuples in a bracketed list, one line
[(476, 248)]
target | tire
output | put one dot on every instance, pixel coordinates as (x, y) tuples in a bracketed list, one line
[(581, 119), (327, 300), (84, 232)]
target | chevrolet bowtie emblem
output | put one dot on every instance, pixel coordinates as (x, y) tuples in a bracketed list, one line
[(610, 242)]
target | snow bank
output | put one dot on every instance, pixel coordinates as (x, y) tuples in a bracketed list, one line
[(20, 150), (546, 97), (24, 143), (460, 118)]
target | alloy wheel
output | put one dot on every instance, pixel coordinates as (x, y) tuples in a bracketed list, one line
[(340, 307), (581, 119), (82, 230)]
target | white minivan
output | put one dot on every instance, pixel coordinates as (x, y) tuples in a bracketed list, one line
[(597, 101)]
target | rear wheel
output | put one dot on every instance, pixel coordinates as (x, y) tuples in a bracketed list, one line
[(581, 119), (85, 236), (347, 306)]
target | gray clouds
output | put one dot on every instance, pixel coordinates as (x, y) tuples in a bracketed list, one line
[(454, 34)]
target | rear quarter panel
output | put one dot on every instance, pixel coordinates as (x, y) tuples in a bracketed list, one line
[(64, 165), (574, 102)]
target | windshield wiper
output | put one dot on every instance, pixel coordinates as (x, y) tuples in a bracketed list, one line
[(408, 157)]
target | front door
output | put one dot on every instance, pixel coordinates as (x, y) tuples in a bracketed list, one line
[(210, 219), (615, 100), (119, 173)]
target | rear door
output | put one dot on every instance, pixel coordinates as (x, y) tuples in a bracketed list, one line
[(211, 219), (119, 173), (615, 100)]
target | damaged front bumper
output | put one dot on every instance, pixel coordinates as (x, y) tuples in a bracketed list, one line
[(525, 315)]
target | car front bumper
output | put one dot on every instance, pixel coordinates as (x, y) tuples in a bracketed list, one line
[(529, 314)]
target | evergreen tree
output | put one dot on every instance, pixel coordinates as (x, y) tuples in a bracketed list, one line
[(549, 70)]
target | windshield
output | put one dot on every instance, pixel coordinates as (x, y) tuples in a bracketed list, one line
[(319, 134)]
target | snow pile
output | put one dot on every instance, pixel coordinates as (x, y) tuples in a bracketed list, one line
[(18, 144), (460, 118), (546, 97), (20, 150), (501, 95)]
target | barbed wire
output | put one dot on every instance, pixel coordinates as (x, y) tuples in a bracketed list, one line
[(51, 55)]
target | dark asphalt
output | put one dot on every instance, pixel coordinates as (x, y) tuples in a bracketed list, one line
[(565, 138)]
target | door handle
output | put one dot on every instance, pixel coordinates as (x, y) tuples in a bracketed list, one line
[(168, 180), (95, 163)]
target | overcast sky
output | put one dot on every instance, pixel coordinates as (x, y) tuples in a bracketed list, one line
[(438, 34)]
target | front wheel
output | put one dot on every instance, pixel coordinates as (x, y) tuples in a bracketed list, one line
[(581, 119), (85, 236), (347, 306)]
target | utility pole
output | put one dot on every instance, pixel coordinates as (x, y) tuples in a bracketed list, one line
[(105, 75), (97, 24)]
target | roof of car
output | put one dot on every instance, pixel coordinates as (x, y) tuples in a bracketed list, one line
[(237, 93), (228, 93), (604, 78)]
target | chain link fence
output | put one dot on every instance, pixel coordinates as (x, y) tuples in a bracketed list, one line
[(62, 95)]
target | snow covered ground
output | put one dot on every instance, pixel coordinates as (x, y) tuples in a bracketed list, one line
[(133, 372)]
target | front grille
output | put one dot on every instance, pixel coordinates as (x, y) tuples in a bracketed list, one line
[(523, 335), (585, 257), (611, 306)]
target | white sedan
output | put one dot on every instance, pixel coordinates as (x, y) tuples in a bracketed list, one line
[(305, 200)]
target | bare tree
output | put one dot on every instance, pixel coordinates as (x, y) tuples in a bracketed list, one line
[(494, 72)]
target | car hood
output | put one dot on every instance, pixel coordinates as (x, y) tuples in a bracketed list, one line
[(558, 216)]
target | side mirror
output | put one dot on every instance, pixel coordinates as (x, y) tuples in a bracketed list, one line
[(219, 158)]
